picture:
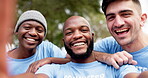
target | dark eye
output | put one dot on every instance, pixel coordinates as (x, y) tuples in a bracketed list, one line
[(84, 30), (110, 18), (27, 27), (40, 30), (68, 33), (126, 15)]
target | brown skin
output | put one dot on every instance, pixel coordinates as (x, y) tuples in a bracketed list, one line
[(143, 75), (34, 66), (74, 34), (77, 30), (30, 35), (28, 30), (119, 58)]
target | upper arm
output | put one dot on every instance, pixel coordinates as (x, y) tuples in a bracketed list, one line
[(131, 75), (143, 75), (41, 76)]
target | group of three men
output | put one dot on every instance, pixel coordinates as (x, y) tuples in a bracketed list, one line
[(124, 23)]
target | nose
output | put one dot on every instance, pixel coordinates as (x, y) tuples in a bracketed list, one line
[(77, 35), (33, 32), (118, 21)]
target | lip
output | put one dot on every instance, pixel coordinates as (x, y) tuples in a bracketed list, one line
[(121, 32), (30, 40), (79, 41)]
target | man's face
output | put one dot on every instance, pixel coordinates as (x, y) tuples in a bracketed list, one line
[(78, 38), (124, 21), (30, 34)]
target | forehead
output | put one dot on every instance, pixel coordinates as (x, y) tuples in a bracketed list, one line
[(120, 5), (31, 22), (77, 22)]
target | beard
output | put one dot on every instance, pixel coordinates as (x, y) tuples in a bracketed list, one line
[(80, 56)]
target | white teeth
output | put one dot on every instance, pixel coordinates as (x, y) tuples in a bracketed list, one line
[(78, 44), (30, 39), (121, 30)]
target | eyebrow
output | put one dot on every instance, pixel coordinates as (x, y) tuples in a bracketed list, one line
[(119, 12), (110, 14), (125, 11), (80, 27), (67, 29)]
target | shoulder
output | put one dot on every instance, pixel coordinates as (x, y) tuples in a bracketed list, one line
[(48, 44), (125, 69), (48, 67), (107, 40)]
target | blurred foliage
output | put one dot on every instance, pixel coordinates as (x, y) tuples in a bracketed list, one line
[(57, 11)]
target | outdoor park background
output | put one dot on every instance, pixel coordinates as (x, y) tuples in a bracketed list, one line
[(57, 11)]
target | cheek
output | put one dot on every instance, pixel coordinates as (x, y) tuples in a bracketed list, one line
[(109, 26), (66, 40), (42, 35)]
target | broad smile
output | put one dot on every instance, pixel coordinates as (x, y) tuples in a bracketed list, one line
[(79, 47), (31, 40), (78, 43), (122, 31)]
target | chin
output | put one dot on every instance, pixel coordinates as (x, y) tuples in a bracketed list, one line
[(81, 55)]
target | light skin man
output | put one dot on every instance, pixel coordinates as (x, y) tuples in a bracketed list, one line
[(124, 21)]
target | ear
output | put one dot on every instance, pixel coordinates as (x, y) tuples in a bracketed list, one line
[(143, 19), (63, 39), (93, 34)]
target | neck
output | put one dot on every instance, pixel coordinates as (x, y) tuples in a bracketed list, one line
[(137, 44), (21, 53), (91, 58)]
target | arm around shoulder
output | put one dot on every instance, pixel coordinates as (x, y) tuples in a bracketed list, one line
[(29, 75)]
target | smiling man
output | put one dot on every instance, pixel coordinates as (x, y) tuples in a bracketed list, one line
[(78, 41), (31, 29), (124, 21)]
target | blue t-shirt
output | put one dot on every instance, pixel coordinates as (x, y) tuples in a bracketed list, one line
[(85, 70), (109, 45), (45, 49)]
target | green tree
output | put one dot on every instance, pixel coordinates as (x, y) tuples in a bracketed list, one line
[(57, 11)]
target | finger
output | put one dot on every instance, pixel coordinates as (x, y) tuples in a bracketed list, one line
[(118, 60), (114, 64), (36, 68), (29, 69), (129, 56), (32, 67), (124, 58), (134, 62)]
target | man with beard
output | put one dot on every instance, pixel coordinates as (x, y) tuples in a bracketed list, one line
[(78, 41)]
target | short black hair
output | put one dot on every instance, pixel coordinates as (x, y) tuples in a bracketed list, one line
[(105, 3)]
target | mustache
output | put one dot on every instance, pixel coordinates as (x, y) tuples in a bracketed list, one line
[(80, 56)]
